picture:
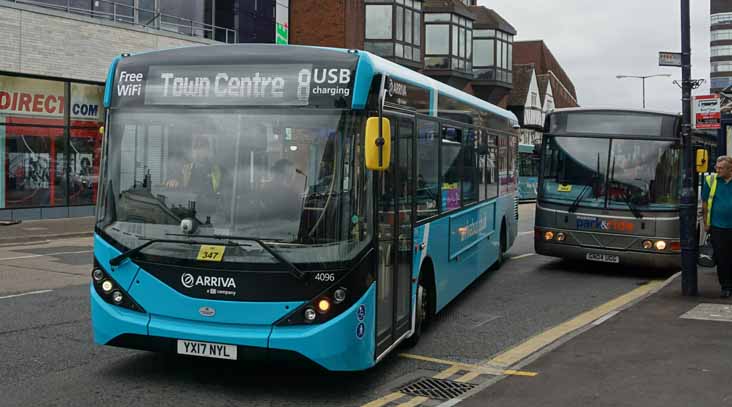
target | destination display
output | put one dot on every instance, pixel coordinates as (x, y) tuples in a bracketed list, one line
[(234, 85)]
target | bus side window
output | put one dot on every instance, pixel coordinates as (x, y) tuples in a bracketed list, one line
[(427, 189), (491, 167), (450, 167), (470, 176)]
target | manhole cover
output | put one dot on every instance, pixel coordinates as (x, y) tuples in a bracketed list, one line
[(438, 389), (710, 312)]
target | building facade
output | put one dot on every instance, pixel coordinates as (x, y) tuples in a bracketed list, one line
[(720, 45), (454, 41), (540, 86), (54, 57), (526, 103)]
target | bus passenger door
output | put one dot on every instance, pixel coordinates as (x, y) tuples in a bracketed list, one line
[(395, 206)]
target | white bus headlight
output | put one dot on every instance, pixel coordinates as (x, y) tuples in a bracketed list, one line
[(310, 314), (339, 295), (660, 245), (107, 286), (117, 297), (647, 244)]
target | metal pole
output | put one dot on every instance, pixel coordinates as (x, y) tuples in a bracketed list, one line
[(644, 92), (688, 207)]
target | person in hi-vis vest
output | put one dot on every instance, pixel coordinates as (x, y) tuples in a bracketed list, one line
[(717, 207)]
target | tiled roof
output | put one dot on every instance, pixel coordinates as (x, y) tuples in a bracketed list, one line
[(536, 52), (487, 18), (522, 75)]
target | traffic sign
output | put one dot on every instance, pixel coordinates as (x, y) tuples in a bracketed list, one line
[(669, 59)]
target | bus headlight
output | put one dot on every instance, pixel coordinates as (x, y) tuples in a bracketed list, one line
[(323, 305), (107, 286), (548, 235), (660, 245), (109, 291), (561, 237), (339, 295), (647, 244), (310, 314)]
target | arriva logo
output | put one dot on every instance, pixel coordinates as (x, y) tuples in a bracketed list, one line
[(189, 281)]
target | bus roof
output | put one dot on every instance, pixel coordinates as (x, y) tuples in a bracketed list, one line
[(612, 109), (368, 66), (378, 65)]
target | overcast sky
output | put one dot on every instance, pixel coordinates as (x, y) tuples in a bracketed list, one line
[(596, 40)]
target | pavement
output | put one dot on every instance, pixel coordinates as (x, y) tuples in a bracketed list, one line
[(45, 229), (664, 350)]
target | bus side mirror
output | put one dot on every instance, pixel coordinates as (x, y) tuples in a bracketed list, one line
[(702, 160), (378, 144)]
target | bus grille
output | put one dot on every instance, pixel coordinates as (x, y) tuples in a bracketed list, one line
[(604, 240), (516, 207)]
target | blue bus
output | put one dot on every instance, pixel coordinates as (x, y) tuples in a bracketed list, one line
[(528, 164), (284, 202)]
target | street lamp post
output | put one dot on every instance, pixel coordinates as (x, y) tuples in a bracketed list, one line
[(643, 77)]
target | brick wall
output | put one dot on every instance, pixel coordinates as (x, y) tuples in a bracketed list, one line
[(49, 43), (318, 22), (327, 23)]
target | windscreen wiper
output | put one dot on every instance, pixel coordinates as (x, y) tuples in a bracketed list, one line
[(633, 208), (626, 196), (580, 197), (116, 261), (296, 272)]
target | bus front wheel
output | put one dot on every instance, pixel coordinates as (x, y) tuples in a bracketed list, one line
[(421, 312)]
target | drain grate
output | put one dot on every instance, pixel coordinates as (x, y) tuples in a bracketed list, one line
[(438, 389)]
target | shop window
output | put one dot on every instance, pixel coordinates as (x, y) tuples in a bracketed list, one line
[(34, 161), (49, 161)]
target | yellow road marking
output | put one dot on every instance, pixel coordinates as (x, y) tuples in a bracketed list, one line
[(447, 372), (517, 353), (414, 402), (482, 369), (384, 400), (397, 395), (468, 376)]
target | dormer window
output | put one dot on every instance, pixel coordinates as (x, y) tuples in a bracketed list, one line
[(448, 42), (493, 55), (394, 29)]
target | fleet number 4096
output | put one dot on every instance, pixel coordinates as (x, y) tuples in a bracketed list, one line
[(325, 277)]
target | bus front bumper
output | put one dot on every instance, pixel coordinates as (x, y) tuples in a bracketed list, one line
[(627, 258), (340, 344)]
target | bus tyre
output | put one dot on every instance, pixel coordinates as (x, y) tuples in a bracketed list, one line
[(421, 314), (502, 250)]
